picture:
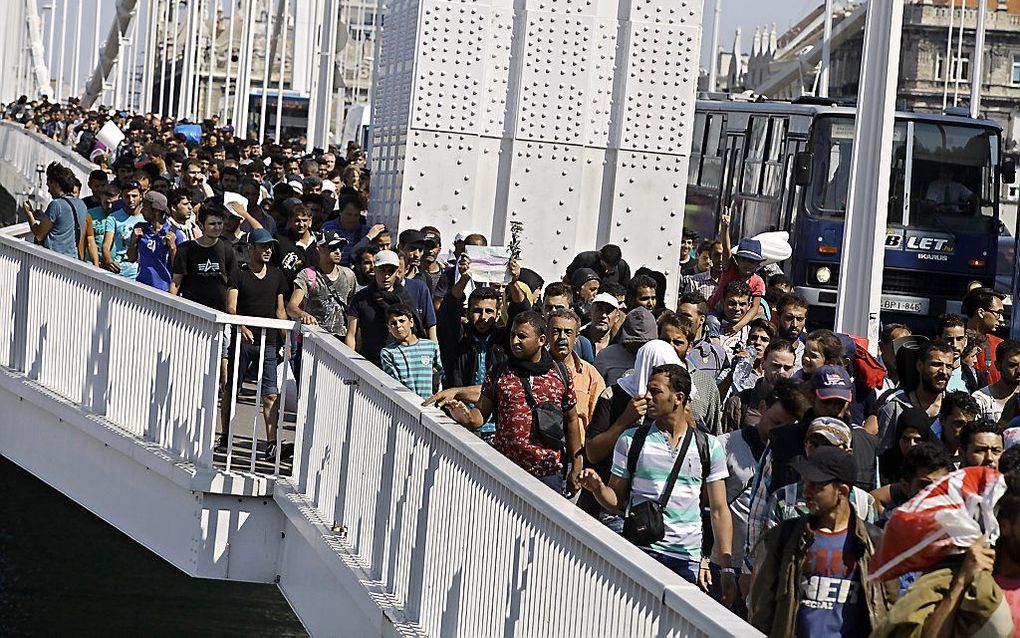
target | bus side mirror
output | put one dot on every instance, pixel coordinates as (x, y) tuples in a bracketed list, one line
[(1008, 170), (802, 163)]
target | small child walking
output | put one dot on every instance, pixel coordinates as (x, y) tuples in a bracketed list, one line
[(412, 361)]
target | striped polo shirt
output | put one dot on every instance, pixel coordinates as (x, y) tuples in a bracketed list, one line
[(682, 516), (412, 365)]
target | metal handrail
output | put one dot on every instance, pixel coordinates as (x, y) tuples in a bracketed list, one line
[(362, 422), (28, 151), (57, 299)]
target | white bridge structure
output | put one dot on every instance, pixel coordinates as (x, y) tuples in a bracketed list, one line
[(571, 116), (392, 520)]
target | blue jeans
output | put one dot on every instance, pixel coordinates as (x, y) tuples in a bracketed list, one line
[(249, 360), (683, 567)]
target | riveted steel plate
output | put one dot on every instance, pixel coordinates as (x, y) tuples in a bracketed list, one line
[(444, 175), (492, 116), (667, 12), (572, 116), (449, 73), (661, 81), (545, 193), (648, 206), (554, 80)]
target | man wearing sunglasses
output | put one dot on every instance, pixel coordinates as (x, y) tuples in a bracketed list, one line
[(322, 293), (984, 310)]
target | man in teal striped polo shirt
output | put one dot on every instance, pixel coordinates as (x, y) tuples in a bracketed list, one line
[(666, 398)]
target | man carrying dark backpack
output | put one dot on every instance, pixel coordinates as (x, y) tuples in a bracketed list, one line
[(533, 400), (656, 481)]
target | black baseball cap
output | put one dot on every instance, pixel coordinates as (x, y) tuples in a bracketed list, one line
[(827, 463), (431, 238), (411, 237), (330, 239)]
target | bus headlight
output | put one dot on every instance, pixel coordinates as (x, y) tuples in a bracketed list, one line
[(823, 275)]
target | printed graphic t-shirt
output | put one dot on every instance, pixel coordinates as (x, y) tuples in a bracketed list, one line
[(207, 271), (831, 600)]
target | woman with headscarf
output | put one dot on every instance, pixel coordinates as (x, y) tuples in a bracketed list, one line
[(912, 427), (620, 408)]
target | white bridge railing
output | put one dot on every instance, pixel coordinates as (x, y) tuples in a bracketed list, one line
[(458, 539), (24, 155), (147, 362), (462, 540)]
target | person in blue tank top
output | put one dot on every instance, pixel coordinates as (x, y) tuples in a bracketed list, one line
[(153, 245)]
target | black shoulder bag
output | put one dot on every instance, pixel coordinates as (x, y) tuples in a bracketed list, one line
[(547, 417), (643, 524)]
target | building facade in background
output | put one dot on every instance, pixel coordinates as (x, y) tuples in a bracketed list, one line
[(220, 43), (789, 70)]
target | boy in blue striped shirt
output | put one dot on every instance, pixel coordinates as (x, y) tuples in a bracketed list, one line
[(406, 358)]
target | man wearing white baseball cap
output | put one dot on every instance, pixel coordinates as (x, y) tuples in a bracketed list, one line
[(366, 317), (599, 329)]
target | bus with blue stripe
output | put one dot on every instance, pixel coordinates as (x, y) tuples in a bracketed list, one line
[(786, 166)]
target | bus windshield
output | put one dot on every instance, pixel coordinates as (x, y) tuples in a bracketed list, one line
[(949, 167)]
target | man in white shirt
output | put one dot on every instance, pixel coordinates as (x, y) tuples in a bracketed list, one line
[(994, 399)]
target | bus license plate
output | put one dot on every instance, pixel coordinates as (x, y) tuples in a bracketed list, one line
[(899, 304)]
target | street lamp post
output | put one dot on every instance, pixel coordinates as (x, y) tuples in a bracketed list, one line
[(823, 70), (713, 62)]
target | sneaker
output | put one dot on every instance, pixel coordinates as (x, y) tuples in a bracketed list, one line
[(222, 443), (270, 454)]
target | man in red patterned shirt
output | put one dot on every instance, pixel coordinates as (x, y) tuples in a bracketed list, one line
[(503, 391)]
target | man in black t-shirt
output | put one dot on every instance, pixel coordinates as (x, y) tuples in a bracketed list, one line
[(607, 262), (366, 316), (256, 291), (296, 248), (203, 267)]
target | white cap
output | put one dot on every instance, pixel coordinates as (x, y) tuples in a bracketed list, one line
[(606, 298), (387, 258)]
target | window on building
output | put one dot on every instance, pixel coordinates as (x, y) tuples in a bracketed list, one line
[(1014, 75), (963, 69)]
